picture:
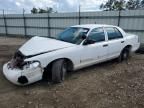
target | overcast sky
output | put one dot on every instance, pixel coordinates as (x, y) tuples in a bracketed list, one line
[(60, 5)]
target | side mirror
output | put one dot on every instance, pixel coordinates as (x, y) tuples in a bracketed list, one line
[(83, 37), (88, 41)]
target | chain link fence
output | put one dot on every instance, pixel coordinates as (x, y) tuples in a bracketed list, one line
[(24, 24)]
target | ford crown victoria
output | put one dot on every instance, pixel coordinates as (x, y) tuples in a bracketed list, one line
[(76, 47)]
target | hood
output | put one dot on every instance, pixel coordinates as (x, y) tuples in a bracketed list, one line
[(39, 45)]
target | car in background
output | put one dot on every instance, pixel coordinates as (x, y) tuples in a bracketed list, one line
[(75, 48)]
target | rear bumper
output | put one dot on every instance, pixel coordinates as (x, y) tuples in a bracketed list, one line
[(13, 75)]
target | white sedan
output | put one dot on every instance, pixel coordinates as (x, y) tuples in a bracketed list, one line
[(76, 47)]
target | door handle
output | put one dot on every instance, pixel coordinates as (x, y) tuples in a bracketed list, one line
[(105, 45), (122, 41)]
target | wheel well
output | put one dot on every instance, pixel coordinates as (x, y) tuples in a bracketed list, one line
[(128, 47), (47, 70)]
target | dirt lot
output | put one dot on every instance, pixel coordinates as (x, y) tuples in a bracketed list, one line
[(106, 85)]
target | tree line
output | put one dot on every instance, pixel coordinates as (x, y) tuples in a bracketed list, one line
[(110, 5), (41, 10)]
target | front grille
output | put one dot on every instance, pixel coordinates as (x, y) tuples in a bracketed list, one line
[(17, 61)]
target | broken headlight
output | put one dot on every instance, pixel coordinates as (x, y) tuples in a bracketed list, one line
[(18, 62), (31, 64)]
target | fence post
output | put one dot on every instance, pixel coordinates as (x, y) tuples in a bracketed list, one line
[(5, 23), (24, 19), (79, 15), (119, 17), (48, 24)]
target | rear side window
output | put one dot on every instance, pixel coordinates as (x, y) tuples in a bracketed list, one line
[(113, 33), (97, 35)]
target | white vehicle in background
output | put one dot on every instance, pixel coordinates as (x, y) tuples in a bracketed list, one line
[(77, 47)]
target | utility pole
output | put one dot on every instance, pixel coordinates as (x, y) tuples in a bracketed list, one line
[(57, 5), (5, 23), (119, 17), (79, 14), (24, 20), (48, 22)]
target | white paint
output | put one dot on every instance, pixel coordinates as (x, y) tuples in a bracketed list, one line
[(80, 55), (40, 44)]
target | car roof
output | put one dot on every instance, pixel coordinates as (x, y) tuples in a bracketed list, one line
[(91, 26)]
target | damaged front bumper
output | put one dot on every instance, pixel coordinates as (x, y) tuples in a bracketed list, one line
[(23, 76)]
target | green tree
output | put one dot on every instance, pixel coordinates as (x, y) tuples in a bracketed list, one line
[(142, 4), (119, 5), (41, 10), (133, 4), (34, 10), (50, 10), (113, 5), (108, 6)]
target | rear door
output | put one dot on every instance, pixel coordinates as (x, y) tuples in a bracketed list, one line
[(115, 41)]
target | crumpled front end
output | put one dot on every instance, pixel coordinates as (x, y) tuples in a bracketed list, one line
[(22, 72)]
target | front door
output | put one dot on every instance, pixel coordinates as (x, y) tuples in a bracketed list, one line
[(95, 48)]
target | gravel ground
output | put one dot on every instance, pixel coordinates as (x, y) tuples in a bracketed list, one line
[(106, 85)]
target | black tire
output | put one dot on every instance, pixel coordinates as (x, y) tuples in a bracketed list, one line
[(59, 70), (125, 54)]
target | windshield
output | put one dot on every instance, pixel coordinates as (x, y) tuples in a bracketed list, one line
[(73, 35)]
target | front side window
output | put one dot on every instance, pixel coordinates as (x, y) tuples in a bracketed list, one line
[(97, 35), (113, 33), (73, 35)]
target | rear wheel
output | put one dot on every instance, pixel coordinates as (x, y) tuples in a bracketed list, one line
[(59, 69), (125, 54)]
